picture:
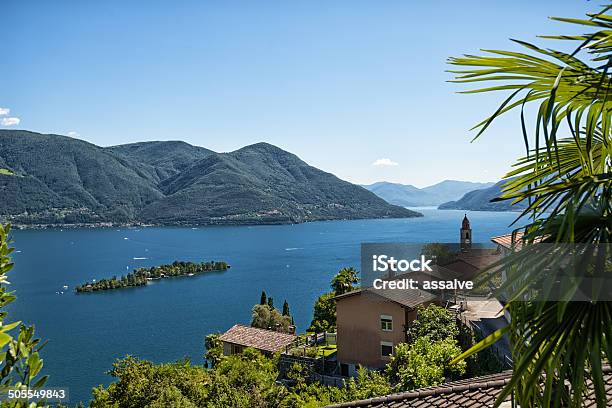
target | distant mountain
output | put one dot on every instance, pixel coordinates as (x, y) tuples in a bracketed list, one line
[(53, 179), (407, 195), (480, 200)]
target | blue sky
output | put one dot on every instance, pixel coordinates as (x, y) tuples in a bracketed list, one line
[(342, 84)]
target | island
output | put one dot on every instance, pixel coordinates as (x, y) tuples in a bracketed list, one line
[(140, 276)]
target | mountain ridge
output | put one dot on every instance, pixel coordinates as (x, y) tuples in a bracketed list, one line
[(480, 200), (407, 195), (61, 180)]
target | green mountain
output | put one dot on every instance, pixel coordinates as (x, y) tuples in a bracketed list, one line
[(480, 200), (53, 179), (408, 195), (164, 158)]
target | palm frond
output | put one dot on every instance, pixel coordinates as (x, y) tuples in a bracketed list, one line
[(559, 346)]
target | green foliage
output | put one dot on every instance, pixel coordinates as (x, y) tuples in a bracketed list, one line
[(240, 381), (20, 358), (286, 309), (424, 363), (324, 314), (140, 276), (6, 172), (142, 383), (433, 322), (368, 384), (434, 339), (565, 180), (344, 281), (270, 302), (214, 349), (265, 317), (487, 361), (297, 375), (263, 300), (245, 380)]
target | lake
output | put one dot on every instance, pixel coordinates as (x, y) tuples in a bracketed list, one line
[(168, 319)]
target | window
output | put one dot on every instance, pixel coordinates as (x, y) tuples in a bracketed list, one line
[(386, 323), (386, 349)]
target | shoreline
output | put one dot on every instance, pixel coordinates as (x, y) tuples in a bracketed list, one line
[(220, 223)]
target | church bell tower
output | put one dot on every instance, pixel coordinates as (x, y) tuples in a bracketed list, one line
[(465, 234)]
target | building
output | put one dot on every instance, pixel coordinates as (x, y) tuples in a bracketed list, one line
[(465, 234), (370, 323), (268, 342), (469, 263), (477, 392), (509, 242)]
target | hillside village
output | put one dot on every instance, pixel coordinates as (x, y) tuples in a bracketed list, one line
[(371, 324)]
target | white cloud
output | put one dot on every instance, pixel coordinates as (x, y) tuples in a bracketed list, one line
[(385, 162), (9, 121), (72, 133), (4, 111)]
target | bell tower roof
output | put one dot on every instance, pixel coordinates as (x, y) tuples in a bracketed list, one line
[(466, 222)]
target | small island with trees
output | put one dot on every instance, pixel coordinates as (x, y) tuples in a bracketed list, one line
[(140, 276)]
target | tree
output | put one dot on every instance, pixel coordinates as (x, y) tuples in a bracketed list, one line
[(558, 346), (245, 380), (264, 317), (263, 300), (286, 309), (433, 322), (324, 314), (270, 302), (424, 363), (297, 374), (344, 281), (214, 349), (20, 358), (260, 316), (141, 383), (368, 384)]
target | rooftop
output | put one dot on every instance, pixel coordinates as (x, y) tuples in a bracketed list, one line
[(406, 298), (509, 241), (477, 392), (480, 258), (261, 339)]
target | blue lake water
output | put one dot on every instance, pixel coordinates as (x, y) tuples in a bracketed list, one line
[(168, 320)]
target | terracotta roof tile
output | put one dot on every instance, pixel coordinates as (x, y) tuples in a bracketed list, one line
[(261, 339), (477, 392)]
